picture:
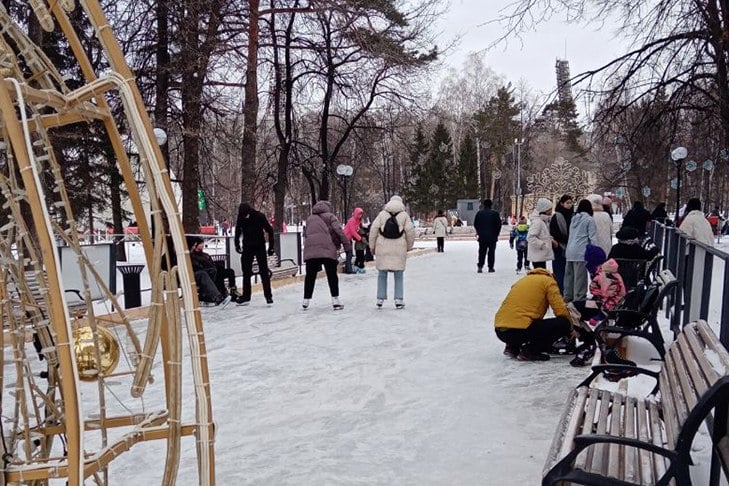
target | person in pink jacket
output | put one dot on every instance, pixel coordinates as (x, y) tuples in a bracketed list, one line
[(607, 289), (351, 231)]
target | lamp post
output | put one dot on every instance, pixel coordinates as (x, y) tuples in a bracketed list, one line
[(345, 171), (678, 155), (518, 142)]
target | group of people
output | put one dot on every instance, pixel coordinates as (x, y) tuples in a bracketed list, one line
[(389, 236), (579, 245)]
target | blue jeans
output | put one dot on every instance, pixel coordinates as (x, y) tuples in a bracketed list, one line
[(382, 284)]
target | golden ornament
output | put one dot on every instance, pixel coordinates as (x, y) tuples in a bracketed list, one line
[(83, 346)]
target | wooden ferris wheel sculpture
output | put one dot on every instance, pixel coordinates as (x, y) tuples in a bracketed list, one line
[(48, 430)]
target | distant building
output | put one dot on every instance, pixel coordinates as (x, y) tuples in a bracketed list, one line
[(467, 209)]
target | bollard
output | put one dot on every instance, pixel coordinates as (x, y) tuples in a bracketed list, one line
[(132, 286)]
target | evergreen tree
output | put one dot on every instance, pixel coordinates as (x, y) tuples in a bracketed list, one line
[(466, 184), (416, 192), (440, 168)]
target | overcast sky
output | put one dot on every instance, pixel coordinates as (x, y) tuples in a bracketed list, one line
[(584, 46)]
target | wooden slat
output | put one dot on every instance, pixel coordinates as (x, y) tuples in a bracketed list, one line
[(645, 463), (654, 417), (600, 457), (694, 357), (614, 460), (585, 459), (686, 395), (630, 457), (568, 426), (668, 406), (669, 399), (698, 346)]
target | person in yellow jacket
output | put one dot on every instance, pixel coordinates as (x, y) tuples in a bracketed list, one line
[(520, 321)]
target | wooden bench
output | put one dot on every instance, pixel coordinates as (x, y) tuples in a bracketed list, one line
[(278, 269), (641, 321), (74, 300), (608, 438)]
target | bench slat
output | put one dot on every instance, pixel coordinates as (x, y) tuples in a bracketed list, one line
[(599, 459), (630, 457), (676, 412), (568, 425), (659, 462), (614, 459), (645, 461), (586, 458)]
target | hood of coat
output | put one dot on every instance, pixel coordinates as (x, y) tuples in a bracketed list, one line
[(534, 217), (596, 201), (244, 209), (358, 213), (610, 266), (540, 271), (395, 205), (322, 207)]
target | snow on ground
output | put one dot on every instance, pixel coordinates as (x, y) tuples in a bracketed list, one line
[(364, 396)]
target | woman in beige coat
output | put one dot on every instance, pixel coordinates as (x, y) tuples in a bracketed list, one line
[(391, 252)]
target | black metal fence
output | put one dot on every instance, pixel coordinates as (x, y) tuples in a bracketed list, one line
[(704, 275)]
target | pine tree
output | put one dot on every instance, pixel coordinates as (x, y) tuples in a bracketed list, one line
[(416, 191), (466, 184)]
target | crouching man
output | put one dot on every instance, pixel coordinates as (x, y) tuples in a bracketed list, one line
[(520, 321)]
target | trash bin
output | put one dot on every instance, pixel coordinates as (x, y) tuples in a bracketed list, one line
[(132, 286)]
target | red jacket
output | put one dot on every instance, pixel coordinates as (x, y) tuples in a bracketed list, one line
[(351, 229)]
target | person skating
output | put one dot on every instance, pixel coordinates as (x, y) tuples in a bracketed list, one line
[(520, 322), (695, 224), (250, 242), (582, 233), (603, 224), (440, 230), (488, 227), (559, 228), (323, 236), (541, 243), (351, 231), (392, 235), (361, 247), (518, 238)]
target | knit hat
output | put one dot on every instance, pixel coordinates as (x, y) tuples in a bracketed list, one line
[(595, 200), (396, 198), (543, 205)]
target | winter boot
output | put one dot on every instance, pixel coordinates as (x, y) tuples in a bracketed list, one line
[(399, 304), (336, 304), (584, 355), (511, 351), (305, 304), (529, 354), (379, 303)]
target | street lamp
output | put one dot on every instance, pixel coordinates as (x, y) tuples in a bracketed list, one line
[(345, 171), (519, 199), (678, 155)]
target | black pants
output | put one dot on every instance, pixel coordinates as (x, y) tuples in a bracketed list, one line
[(312, 269), (359, 259), (441, 241), (246, 262), (483, 247), (539, 265), (221, 275), (205, 281), (521, 256), (539, 335)]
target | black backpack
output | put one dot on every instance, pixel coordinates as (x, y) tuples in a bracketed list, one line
[(391, 228)]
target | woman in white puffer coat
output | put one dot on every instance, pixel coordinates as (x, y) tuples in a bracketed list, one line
[(391, 253), (603, 223), (695, 223), (540, 249)]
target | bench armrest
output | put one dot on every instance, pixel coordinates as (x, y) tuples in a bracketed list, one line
[(598, 369)]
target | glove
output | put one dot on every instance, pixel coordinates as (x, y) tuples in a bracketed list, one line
[(511, 245), (271, 251), (237, 249)]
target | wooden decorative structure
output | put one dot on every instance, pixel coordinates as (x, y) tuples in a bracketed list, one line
[(46, 428)]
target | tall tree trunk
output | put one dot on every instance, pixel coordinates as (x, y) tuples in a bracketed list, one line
[(250, 108)]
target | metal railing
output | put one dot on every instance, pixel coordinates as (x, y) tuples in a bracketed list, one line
[(703, 275)]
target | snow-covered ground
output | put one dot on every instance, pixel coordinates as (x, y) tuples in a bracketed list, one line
[(421, 396)]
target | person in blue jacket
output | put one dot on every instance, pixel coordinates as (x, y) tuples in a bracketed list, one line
[(488, 226), (519, 236)]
